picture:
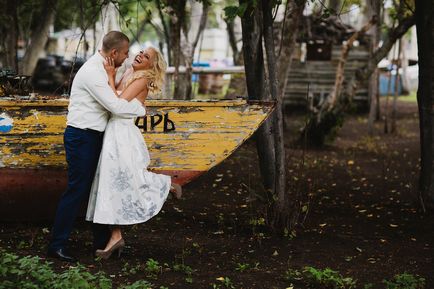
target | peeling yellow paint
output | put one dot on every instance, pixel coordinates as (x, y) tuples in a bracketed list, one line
[(206, 132)]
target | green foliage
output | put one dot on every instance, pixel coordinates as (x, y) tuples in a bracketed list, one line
[(293, 275), (128, 269), (152, 268), (405, 281), (187, 270), (31, 272), (81, 13), (329, 278), (231, 12), (241, 267), (326, 279), (141, 284), (320, 132)]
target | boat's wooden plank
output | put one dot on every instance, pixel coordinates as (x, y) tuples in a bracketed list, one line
[(202, 136), (63, 102)]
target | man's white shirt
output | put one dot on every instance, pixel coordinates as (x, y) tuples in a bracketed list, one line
[(92, 100)]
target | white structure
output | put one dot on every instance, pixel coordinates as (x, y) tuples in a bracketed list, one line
[(72, 42)]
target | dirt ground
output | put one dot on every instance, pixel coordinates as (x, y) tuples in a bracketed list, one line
[(364, 218)]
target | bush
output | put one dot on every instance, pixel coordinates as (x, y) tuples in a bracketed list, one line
[(33, 273), (405, 281)]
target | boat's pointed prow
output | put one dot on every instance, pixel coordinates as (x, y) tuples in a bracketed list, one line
[(185, 139)]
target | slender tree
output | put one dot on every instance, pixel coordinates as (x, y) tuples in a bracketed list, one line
[(39, 37), (373, 7), (9, 30), (252, 30), (425, 98)]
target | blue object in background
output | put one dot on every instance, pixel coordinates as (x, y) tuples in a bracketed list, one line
[(384, 84), (195, 77), (6, 123)]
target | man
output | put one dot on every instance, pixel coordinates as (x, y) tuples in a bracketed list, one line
[(90, 103)]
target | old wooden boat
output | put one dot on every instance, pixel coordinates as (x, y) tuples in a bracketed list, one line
[(185, 139)]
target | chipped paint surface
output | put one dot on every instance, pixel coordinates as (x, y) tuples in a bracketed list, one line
[(181, 135)]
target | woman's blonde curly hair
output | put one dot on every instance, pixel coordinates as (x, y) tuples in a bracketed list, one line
[(154, 75)]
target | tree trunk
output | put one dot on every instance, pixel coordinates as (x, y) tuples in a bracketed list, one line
[(190, 46), (255, 80), (177, 19), (230, 28), (39, 38), (395, 96), (281, 208), (237, 85), (167, 31), (10, 37), (393, 35), (386, 106), (373, 8), (425, 98), (336, 91)]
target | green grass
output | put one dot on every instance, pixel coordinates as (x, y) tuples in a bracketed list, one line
[(412, 97)]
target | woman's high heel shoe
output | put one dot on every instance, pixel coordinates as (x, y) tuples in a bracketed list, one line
[(176, 191), (105, 254)]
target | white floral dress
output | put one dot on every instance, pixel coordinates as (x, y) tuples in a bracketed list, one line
[(124, 192)]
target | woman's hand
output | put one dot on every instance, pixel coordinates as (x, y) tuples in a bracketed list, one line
[(109, 66)]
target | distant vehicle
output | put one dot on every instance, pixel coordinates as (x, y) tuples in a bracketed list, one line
[(54, 73)]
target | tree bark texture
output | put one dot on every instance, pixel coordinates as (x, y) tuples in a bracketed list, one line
[(336, 91), (396, 88), (255, 79), (9, 29), (39, 37), (373, 8), (189, 46), (177, 19), (166, 30), (425, 98), (237, 85), (281, 206)]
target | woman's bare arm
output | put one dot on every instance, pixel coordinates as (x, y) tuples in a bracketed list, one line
[(137, 89)]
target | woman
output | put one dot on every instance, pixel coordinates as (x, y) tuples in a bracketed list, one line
[(124, 192)]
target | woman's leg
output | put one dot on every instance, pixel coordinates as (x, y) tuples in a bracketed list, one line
[(115, 237), (116, 242), (176, 190)]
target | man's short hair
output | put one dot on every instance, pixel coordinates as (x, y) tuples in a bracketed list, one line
[(113, 40)]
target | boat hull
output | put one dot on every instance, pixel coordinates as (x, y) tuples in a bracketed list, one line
[(185, 139)]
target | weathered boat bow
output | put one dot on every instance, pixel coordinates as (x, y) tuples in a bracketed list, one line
[(185, 139)]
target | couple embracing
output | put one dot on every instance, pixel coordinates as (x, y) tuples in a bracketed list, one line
[(106, 154)]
